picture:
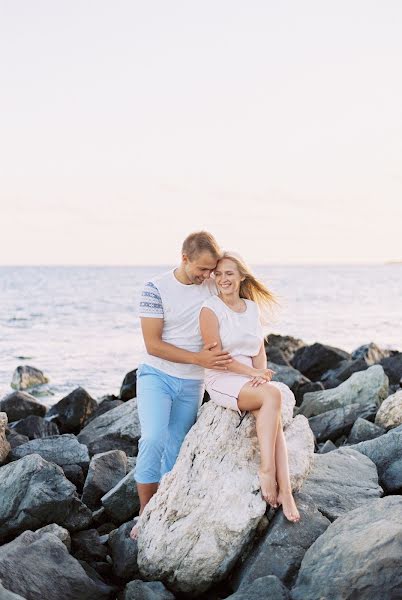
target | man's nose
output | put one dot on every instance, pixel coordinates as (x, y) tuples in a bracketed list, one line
[(207, 274)]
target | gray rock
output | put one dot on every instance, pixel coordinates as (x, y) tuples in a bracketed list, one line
[(371, 353), (75, 474), (151, 590), (71, 411), (310, 386), (358, 556), (104, 473), (34, 427), (25, 377), (386, 452), (283, 545), (37, 565), (392, 366), (128, 388), (15, 439), (59, 449), (118, 429), (331, 424), (327, 447), (7, 595), (121, 502), (289, 376), (276, 356), (264, 588), (314, 360), (363, 430), (365, 387), (340, 481), (87, 545), (60, 532), (287, 344), (34, 493), (390, 412), (19, 405), (104, 406), (124, 552), (345, 369)]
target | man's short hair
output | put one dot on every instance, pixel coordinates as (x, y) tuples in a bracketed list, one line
[(198, 242)]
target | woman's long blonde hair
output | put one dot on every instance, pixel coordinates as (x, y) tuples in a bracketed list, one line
[(253, 289)]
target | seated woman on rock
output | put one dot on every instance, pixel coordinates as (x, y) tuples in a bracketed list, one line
[(233, 319)]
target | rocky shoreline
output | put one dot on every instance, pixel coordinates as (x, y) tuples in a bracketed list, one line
[(68, 497)]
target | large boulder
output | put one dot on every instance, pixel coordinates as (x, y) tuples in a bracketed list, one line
[(34, 493), (389, 414), (37, 565), (62, 450), (4, 443), (71, 412), (34, 427), (117, 429), (281, 549), (314, 360), (25, 377), (7, 595), (124, 552), (188, 537), (341, 481), (331, 424), (344, 370), (386, 452), (358, 556), (105, 471), (19, 405), (122, 503), (365, 387)]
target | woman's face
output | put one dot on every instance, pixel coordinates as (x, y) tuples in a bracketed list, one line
[(227, 277)]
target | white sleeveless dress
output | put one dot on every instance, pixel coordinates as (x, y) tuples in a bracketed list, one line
[(241, 334)]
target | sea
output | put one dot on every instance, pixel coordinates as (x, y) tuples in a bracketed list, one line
[(80, 326)]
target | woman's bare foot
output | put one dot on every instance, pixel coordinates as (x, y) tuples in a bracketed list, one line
[(134, 531), (268, 486), (289, 506)]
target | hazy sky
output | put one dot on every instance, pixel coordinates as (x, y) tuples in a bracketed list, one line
[(126, 124)]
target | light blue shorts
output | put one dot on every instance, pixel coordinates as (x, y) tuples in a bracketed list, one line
[(167, 409)]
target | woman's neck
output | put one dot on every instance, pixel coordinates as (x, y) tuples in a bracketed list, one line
[(232, 300)]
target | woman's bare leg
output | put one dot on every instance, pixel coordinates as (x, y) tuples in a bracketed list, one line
[(265, 403), (285, 496)]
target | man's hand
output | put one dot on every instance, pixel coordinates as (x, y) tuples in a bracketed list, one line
[(211, 358)]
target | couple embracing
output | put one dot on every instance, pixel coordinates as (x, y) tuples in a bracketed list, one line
[(206, 332)]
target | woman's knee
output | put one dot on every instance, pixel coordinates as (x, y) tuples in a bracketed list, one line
[(272, 395)]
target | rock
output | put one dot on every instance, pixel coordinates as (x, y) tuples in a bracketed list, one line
[(71, 411), (7, 595), (37, 565), (151, 590), (25, 377), (345, 369), (34, 427), (287, 344), (15, 439), (314, 360), (310, 386), (19, 405), (128, 388), (4, 443), (261, 589), (289, 376), (276, 356), (389, 414), (34, 493), (59, 449), (392, 366), (104, 406), (118, 429), (121, 502), (75, 474), (104, 473), (86, 545), (124, 552), (340, 481), (363, 430), (386, 452), (283, 545), (370, 353), (62, 533), (327, 447), (188, 537), (363, 388), (331, 424), (358, 556)]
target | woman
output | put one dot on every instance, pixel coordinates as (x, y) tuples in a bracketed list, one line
[(233, 319)]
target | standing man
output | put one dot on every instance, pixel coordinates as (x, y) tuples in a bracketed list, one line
[(170, 379)]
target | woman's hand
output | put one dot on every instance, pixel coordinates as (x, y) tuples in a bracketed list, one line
[(261, 376)]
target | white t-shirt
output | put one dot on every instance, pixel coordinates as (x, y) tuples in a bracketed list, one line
[(164, 297), (241, 333)]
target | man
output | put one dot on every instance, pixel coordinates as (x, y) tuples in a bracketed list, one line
[(170, 379)]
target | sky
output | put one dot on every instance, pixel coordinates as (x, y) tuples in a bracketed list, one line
[(126, 125)]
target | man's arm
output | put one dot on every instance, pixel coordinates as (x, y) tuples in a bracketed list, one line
[(210, 357)]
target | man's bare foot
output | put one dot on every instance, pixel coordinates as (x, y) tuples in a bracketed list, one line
[(289, 506), (268, 487), (134, 531)]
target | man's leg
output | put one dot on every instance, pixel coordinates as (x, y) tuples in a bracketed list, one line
[(182, 417)]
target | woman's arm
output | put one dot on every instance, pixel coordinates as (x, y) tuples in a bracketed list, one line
[(260, 360)]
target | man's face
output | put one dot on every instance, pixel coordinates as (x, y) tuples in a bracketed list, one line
[(200, 267)]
